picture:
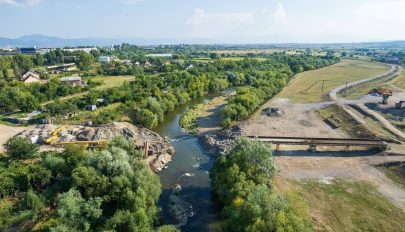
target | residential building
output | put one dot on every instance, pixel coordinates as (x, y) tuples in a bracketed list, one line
[(31, 77), (73, 80)]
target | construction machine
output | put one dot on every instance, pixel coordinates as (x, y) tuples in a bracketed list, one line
[(400, 105), (55, 134), (385, 93)]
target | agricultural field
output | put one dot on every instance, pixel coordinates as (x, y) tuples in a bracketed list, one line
[(337, 205), (307, 86)]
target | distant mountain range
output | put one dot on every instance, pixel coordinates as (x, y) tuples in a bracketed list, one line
[(44, 41)]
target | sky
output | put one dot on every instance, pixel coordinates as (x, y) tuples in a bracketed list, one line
[(225, 21)]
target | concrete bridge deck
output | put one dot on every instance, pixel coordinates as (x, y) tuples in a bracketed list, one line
[(314, 142)]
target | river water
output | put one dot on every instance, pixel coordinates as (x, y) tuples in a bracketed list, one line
[(191, 159)]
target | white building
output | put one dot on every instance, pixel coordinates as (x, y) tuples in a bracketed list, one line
[(106, 58)]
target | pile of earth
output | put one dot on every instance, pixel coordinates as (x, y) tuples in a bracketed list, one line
[(160, 149), (273, 112)]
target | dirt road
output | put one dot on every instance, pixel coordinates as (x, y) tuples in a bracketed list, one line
[(383, 121), (7, 132)]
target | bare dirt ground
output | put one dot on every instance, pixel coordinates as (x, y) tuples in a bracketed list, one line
[(349, 166), (7, 132), (298, 120)]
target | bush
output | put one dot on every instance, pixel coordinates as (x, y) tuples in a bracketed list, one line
[(20, 148)]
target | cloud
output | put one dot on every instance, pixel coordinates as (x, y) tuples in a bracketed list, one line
[(237, 25), (20, 3), (201, 17), (280, 15), (217, 24)]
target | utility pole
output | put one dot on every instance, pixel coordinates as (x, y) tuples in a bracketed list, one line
[(346, 89), (323, 81), (145, 149)]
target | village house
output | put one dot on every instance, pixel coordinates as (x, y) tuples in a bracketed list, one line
[(31, 77), (73, 80)]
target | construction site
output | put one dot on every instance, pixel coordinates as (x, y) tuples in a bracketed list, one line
[(157, 150), (337, 138)]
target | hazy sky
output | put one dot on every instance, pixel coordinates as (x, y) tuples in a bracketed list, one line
[(234, 21)]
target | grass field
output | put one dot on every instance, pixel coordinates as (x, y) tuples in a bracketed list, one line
[(396, 173), (338, 205), (345, 122), (370, 129), (107, 83), (111, 81), (400, 81), (356, 92), (347, 70)]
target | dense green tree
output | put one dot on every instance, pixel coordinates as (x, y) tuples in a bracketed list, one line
[(89, 182), (84, 60), (147, 118), (20, 148), (242, 180), (76, 213), (33, 202)]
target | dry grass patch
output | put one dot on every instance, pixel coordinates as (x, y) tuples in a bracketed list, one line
[(347, 70), (339, 205)]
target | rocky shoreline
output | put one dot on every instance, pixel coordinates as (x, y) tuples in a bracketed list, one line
[(218, 142)]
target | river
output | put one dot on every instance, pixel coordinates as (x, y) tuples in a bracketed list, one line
[(191, 159)]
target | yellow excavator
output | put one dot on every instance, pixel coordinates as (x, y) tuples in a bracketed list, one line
[(55, 135)]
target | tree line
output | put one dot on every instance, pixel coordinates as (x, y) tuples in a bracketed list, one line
[(242, 181), (106, 189), (263, 80), (150, 96)]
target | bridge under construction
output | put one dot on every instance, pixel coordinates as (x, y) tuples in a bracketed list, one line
[(312, 143)]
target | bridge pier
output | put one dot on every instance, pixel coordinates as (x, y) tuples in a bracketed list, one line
[(146, 150), (312, 148), (277, 147)]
